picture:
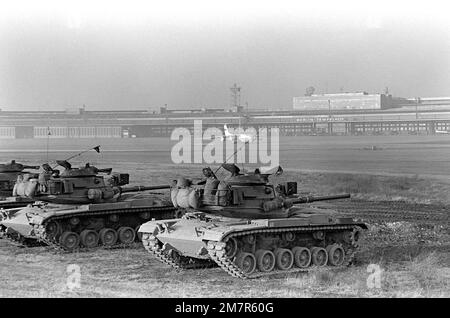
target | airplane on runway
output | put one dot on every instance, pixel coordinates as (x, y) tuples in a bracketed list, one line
[(241, 136)]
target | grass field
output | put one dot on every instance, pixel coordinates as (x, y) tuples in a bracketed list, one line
[(397, 155), (414, 256), (410, 267)]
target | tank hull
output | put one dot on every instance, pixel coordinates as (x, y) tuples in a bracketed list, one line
[(200, 238), (14, 202)]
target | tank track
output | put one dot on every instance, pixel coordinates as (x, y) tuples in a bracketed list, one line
[(17, 239), (42, 236), (170, 257), (217, 255), (217, 252)]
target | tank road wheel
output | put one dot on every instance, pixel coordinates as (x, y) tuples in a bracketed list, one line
[(108, 237), (74, 221), (319, 235), (70, 240), (145, 215), (113, 218), (336, 255), (284, 258), (250, 239), (246, 262), (89, 238), (52, 229), (126, 235), (265, 260), (288, 236), (302, 256), (319, 256), (347, 237), (231, 248), (356, 236)]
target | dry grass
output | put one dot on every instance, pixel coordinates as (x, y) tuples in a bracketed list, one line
[(410, 269), (414, 258), (374, 187)]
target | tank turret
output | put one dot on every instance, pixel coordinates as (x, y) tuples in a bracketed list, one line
[(8, 176), (248, 195), (250, 227), (77, 185)]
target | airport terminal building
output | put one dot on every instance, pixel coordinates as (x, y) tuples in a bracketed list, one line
[(343, 101), (340, 114)]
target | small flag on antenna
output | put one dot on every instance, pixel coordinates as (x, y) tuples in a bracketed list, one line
[(97, 148)]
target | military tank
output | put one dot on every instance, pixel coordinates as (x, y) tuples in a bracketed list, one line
[(251, 228), (19, 181), (82, 208), (9, 172)]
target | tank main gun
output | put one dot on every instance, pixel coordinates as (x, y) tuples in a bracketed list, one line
[(30, 167), (13, 166), (309, 199), (143, 188)]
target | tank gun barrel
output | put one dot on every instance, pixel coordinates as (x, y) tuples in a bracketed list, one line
[(144, 188), (308, 199), (31, 167), (16, 167)]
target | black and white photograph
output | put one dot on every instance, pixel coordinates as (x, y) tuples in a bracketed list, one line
[(224, 154)]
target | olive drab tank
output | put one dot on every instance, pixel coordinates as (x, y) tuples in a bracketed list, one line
[(251, 228), (31, 187), (9, 173), (82, 208)]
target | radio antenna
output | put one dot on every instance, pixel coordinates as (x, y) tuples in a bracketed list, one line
[(96, 148), (243, 145)]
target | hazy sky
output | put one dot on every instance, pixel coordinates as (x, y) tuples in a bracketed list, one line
[(134, 55)]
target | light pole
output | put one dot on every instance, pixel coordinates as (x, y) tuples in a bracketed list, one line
[(329, 117), (417, 115)]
